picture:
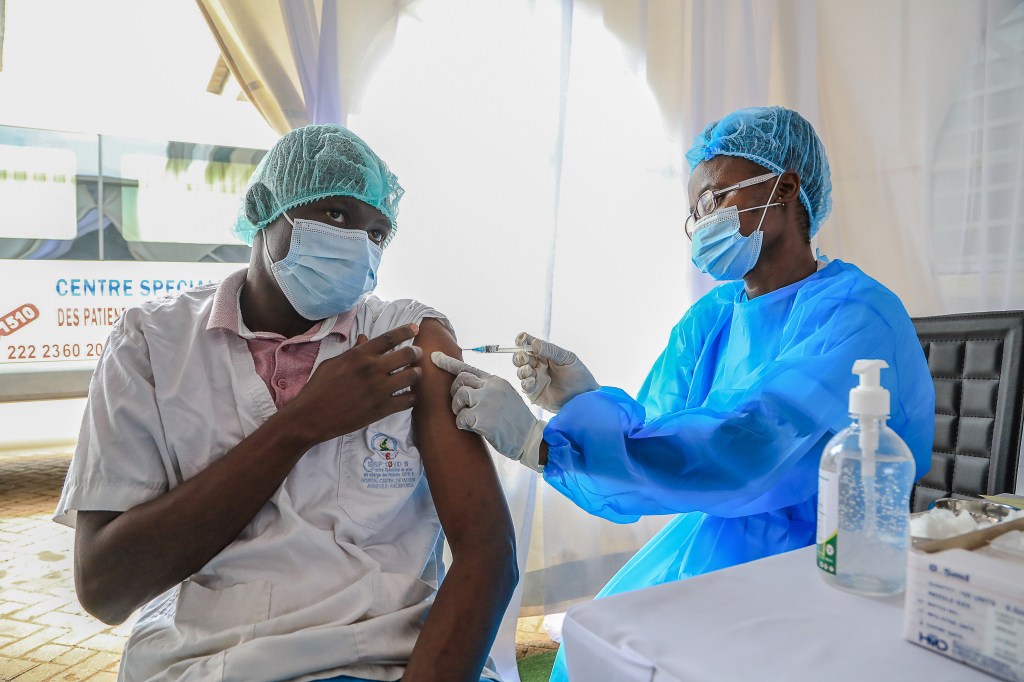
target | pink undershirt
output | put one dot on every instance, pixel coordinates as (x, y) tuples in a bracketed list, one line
[(284, 364)]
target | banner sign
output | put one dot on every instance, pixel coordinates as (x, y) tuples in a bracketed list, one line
[(60, 311)]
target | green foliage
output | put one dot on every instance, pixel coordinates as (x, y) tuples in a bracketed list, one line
[(536, 668)]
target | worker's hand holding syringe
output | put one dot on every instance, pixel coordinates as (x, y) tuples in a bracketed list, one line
[(489, 405), (550, 375)]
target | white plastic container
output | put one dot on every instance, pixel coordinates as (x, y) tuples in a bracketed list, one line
[(864, 485)]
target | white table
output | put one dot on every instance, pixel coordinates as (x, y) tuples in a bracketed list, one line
[(773, 619)]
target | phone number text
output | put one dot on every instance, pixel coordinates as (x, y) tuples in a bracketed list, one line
[(55, 351)]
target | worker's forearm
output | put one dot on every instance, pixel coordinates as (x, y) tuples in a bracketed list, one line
[(464, 619), (156, 545), (543, 458)]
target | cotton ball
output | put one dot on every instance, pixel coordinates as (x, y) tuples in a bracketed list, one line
[(941, 523), (919, 526), (964, 523), (937, 524)]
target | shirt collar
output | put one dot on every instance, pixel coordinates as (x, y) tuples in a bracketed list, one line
[(227, 314)]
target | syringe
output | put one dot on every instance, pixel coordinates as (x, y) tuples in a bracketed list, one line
[(495, 348)]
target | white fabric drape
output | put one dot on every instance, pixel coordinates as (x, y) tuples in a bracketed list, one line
[(702, 59), (919, 103), (923, 105), (976, 194), (302, 61)]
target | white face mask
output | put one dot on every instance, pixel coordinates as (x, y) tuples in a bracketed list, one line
[(328, 269)]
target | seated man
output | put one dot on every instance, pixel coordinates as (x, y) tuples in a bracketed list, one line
[(254, 461)]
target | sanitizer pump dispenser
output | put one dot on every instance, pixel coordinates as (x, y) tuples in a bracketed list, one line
[(864, 485)]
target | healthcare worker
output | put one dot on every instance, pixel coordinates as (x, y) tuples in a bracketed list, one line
[(254, 461), (728, 429)]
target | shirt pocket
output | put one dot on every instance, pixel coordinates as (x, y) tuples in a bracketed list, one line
[(232, 613), (206, 623), (380, 470)]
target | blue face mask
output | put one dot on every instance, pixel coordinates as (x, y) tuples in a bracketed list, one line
[(718, 248), (328, 270)]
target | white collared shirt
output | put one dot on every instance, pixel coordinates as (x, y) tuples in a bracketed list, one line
[(334, 575)]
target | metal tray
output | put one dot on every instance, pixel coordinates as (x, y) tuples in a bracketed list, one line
[(981, 510)]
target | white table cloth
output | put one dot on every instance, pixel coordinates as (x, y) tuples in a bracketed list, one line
[(772, 619)]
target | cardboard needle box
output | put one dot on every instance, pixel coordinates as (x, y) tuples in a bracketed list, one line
[(965, 600)]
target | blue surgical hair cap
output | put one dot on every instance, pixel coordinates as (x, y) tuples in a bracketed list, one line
[(312, 163), (780, 140)]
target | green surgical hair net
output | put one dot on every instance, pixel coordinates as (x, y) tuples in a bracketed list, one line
[(780, 140), (312, 163)]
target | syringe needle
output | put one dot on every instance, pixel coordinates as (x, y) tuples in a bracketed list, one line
[(497, 349)]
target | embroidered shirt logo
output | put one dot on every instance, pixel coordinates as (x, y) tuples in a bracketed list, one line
[(387, 467)]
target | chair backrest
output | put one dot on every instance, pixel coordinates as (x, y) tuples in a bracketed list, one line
[(977, 363)]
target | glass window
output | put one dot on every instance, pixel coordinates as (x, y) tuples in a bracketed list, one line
[(154, 201), (48, 188)]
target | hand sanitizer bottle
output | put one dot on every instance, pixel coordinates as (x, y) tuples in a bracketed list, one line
[(864, 484)]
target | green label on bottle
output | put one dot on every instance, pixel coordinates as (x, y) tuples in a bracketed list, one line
[(827, 554), (828, 520)]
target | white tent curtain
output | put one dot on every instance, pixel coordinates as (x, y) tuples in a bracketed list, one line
[(976, 190), (924, 110), (302, 61), (541, 144), (920, 105), (704, 59)]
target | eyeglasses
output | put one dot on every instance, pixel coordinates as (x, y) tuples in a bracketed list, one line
[(707, 202)]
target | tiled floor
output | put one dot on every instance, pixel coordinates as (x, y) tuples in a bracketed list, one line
[(44, 634)]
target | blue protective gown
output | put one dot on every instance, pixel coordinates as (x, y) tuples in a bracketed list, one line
[(728, 429)]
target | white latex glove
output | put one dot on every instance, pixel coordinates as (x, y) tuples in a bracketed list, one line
[(490, 406), (551, 376)]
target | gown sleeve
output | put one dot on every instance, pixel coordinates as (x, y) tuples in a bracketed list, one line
[(741, 451)]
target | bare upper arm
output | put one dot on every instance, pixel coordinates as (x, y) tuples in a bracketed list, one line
[(463, 482)]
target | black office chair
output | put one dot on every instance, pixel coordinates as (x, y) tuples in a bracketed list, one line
[(977, 363)]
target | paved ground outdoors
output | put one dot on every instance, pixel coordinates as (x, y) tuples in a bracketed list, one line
[(44, 634)]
